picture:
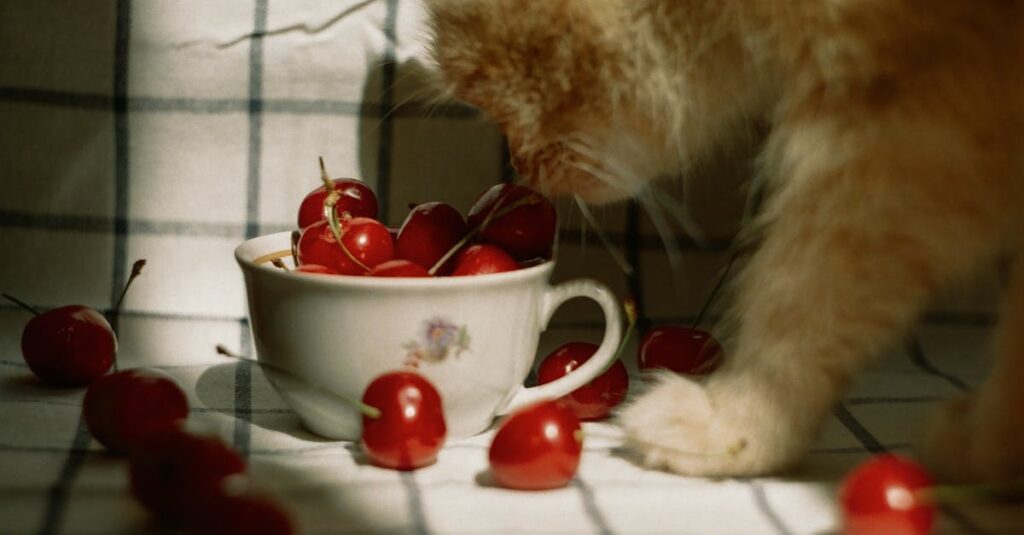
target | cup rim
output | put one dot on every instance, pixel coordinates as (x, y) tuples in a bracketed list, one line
[(246, 260)]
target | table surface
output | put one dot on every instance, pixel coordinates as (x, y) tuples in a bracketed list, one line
[(55, 478)]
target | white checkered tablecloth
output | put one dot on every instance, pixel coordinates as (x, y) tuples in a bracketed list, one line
[(172, 130)]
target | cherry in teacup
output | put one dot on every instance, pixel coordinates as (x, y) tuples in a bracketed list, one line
[(596, 399), (429, 232), (679, 348), (516, 218), (315, 269), (884, 495), (399, 268), (355, 199), (176, 475), (537, 447), (407, 428), (365, 243), (122, 409), (481, 259)]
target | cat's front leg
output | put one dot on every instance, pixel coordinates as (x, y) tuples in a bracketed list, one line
[(857, 240)]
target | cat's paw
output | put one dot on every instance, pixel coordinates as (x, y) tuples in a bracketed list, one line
[(968, 440), (684, 427)]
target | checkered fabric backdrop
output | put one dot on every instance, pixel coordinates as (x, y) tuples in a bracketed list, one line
[(173, 130)]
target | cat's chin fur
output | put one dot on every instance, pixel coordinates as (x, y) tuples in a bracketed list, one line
[(894, 163)]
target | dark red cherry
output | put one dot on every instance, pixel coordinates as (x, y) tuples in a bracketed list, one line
[(537, 447), (883, 495), (68, 346), (410, 428), (679, 348), (399, 268), (367, 241), (356, 199), (176, 474), (429, 231), (122, 409), (482, 259), (596, 399), (526, 231)]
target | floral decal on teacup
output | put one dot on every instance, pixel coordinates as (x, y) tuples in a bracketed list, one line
[(440, 338)]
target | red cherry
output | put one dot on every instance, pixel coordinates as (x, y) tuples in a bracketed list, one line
[(482, 259), (250, 514), (367, 240), (537, 447), (679, 348), (68, 346), (881, 496), (122, 409), (356, 199), (315, 269), (176, 475), (429, 231), (410, 429), (399, 268), (596, 399), (525, 232)]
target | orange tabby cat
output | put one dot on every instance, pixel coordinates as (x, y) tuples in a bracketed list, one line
[(896, 164)]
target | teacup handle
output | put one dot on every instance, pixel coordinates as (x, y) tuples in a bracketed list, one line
[(553, 298)]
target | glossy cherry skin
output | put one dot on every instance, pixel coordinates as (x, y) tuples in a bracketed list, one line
[(399, 268), (367, 240), (356, 199), (879, 496), (537, 447), (410, 429), (68, 346), (122, 409), (525, 232), (679, 348), (247, 513), (481, 259), (428, 233), (316, 269), (596, 399), (176, 474)]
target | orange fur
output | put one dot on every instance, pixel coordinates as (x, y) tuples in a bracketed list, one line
[(895, 163)]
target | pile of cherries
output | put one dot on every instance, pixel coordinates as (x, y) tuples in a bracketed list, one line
[(184, 478), (508, 227)]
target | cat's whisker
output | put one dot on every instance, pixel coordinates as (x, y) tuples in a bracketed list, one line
[(664, 230), (614, 251)]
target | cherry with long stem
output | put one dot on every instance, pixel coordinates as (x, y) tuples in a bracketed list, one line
[(332, 216)]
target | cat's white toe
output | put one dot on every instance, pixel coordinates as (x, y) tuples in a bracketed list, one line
[(682, 426)]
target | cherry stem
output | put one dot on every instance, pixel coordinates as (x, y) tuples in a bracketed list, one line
[(136, 271), (715, 290), (332, 215), (367, 410), (953, 494), (495, 212), (21, 303)]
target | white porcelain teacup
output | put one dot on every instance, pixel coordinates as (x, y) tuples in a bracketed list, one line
[(474, 338)]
